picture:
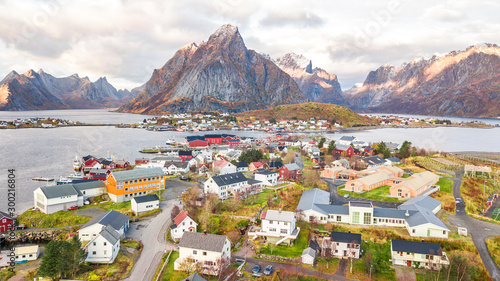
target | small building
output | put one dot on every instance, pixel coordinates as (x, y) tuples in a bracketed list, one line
[(26, 253), (146, 203), (308, 256), (119, 222), (6, 222), (194, 277), (415, 185), (290, 172), (198, 143), (257, 165), (176, 167), (104, 247), (226, 185), (124, 185), (139, 161), (242, 167), (374, 161), (418, 254), (345, 150), (341, 245), (347, 140), (277, 227), (222, 167), (209, 252), (183, 222), (122, 163), (267, 178)]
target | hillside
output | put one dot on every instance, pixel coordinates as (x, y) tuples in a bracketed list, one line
[(305, 111)]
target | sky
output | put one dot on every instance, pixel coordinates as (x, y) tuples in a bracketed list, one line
[(126, 40)]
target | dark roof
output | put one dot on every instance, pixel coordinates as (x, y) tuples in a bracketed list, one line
[(275, 164), (394, 159), (416, 247), (193, 138), (113, 218), (228, 179), (348, 138), (111, 235), (178, 164), (146, 198), (346, 237), (265, 172), (242, 165), (194, 277), (5, 215), (89, 185), (374, 160), (186, 152), (213, 136), (200, 241), (106, 162), (54, 191)]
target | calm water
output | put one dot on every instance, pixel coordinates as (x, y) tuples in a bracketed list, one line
[(50, 152)]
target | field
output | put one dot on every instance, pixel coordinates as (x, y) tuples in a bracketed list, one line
[(445, 194), (294, 251), (475, 194), (496, 214), (493, 244), (378, 194)]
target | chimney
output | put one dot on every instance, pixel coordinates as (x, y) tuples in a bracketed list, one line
[(204, 232), (407, 214)]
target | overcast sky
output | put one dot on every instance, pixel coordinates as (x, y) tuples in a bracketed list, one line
[(126, 40)]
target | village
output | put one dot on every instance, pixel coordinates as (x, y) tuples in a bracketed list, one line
[(219, 206)]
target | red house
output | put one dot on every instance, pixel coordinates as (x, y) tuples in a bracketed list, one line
[(290, 171), (91, 163), (213, 139), (6, 222), (185, 154), (139, 161), (122, 163), (348, 150), (369, 151), (99, 174), (198, 143), (108, 164)]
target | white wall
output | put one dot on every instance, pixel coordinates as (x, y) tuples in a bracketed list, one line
[(88, 233), (103, 253)]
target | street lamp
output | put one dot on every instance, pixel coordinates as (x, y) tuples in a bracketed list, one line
[(484, 188)]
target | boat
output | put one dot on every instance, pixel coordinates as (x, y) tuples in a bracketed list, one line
[(180, 130), (42, 179), (170, 141), (77, 164)]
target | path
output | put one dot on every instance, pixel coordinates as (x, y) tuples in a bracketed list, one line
[(479, 230)]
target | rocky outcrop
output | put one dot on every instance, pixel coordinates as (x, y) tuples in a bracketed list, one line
[(461, 83), (315, 83), (220, 74)]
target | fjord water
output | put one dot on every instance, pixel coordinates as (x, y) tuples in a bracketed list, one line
[(50, 152)]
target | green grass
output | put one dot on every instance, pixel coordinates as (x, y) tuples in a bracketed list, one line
[(37, 219), (496, 214), (493, 244), (169, 273), (294, 251), (405, 176), (261, 198), (446, 185), (378, 194)]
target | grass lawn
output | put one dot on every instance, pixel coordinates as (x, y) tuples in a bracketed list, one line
[(294, 251), (378, 194), (445, 194), (40, 220), (496, 214), (117, 270), (475, 194), (493, 244)]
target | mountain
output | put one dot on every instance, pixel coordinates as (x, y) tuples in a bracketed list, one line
[(460, 83), (315, 83), (305, 111), (220, 74), (40, 90)]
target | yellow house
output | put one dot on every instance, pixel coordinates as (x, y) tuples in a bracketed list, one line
[(124, 185)]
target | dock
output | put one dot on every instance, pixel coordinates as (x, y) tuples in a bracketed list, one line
[(42, 179)]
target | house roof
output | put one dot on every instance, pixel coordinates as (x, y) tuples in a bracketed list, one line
[(348, 138), (346, 237), (138, 174), (181, 217), (185, 152), (424, 216), (257, 164), (112, 218), (373, 160), (360, 204), (292, 167), (342, 147), (146, 198), (419, 180), (26, 249), (391, 213), (416, 247), (309, 252), (275, 215), (89, 185), (5, 215), (194, 277), (220, 163), (275, 164), (242, 165), (177, 164), (55, 191), (311, 197), (426, 202), (394, 159), (228, 179), (265, 172), (200, 241), (327, 209), (110, 234)]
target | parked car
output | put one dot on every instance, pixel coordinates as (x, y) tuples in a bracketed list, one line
[(256, 268), (346, 196), (458, 200), (21, 226), (183, 177), (269, 269), (73, 207)]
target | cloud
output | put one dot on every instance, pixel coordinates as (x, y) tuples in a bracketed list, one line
[(298, 19), (445, 14)]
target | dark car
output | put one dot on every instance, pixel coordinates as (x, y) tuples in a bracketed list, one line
[(21, 226), (256, 268), (269, 269)]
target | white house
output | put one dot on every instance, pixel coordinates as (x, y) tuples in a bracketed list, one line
[(308, 256), (341, 245), (347, 140), (222, 167), (314, 205), (418, 254), (54, 198), (26, 252), (277, 227), (209, 252), (226, 185), (104, 247), (183, 222), (118, 221), (242, 167), (267, 178), (146, 203), (175, 167)]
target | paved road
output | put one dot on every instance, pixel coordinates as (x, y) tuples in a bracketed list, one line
[(152, 232), (336, 199), (479, 230)]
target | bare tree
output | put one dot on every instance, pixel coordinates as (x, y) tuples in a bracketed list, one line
[(175, 211)]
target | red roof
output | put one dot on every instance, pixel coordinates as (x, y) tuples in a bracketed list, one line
[(220, 163), (263, 216), (181, 217), (257, 164)]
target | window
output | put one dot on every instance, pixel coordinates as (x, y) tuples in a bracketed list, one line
[(374, 221), (285, 223), (204, 253), (94, 243), (444, 232), (339, 218), (284, 231), (105, 252), (272, 229), (195, 252), (367, 218), (105, 243), (355, 217), (31, 255), (94, 253), (270, 222), (399, 192), (413, 231), (126, 189)]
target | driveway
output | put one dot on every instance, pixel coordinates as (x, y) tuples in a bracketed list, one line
[(292, 268), (336, 199), (479, 230), (152, 233), (405, 273)]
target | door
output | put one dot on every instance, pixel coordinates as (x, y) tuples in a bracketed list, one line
[(408, 263), (345, 253), (428, 232)]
